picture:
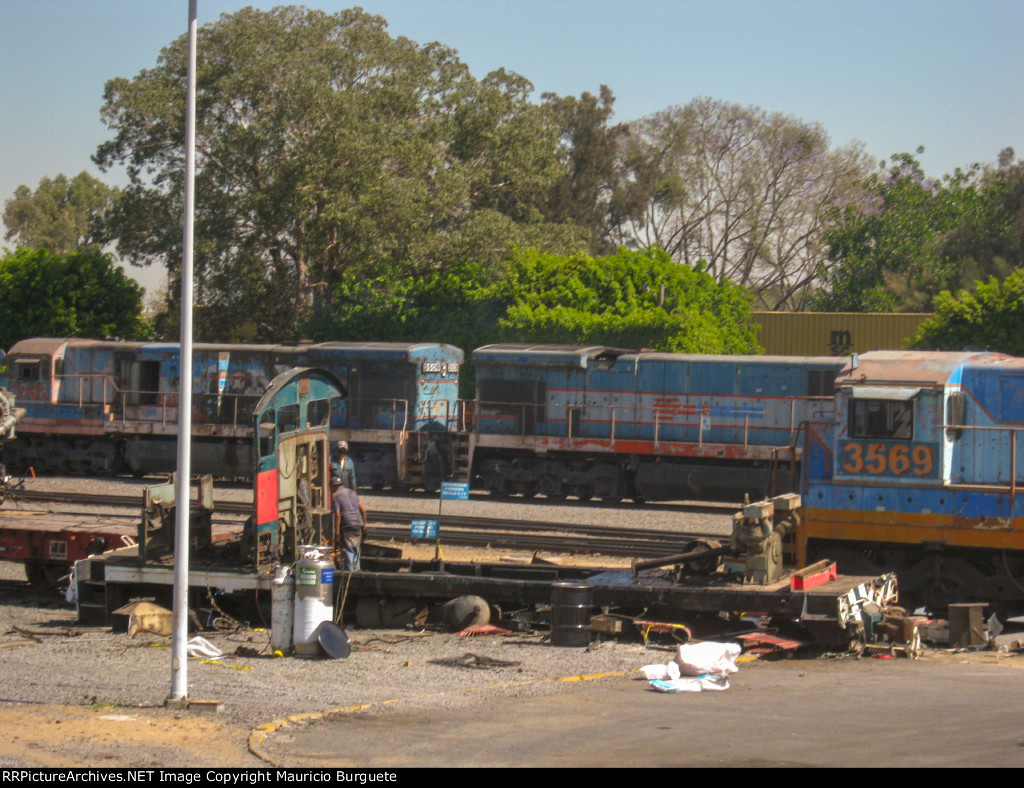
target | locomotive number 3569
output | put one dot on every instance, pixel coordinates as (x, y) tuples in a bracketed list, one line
[(888, 459)]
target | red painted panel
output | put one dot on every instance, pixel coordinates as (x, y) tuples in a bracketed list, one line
[(266, 496)]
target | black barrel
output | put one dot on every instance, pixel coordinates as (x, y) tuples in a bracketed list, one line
[(570, 614)]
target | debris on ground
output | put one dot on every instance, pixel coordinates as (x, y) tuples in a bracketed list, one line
[(487, 629), (474, 661), (146, 616), (696, 667), (466, 611), (678, 632), (203, 648), (760, 643)]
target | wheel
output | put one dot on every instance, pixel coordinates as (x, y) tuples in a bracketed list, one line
[(528, 489), (43, 576), (498, 488), (551, 487)]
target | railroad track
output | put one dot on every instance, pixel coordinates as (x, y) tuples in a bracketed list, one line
[(458, 530)]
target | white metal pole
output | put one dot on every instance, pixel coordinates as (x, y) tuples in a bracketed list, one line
[(179, 651)]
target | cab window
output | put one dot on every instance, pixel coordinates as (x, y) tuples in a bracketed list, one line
[(885, 419)]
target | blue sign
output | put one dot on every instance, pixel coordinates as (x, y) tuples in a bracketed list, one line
[(454, 491), (424, 529)]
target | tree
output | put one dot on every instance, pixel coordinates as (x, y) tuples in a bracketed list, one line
[(988, 240), (630, 299), (590, 158), (990, 317), (737, 187), (325, 148), (887, 254), (74, 295), (60, 215)]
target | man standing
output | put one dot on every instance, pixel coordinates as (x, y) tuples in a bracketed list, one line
[(349, 522), (343, 467)]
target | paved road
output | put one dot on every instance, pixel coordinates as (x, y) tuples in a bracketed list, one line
[(845, 713)]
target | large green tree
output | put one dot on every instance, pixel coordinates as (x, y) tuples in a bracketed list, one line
[(75, 295), (891, 252), (589, 152), (325, 149), (61, 215), (631, 299), (988, 239)]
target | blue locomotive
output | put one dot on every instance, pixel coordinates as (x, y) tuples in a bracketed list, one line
[(611, 423), (110, 407), (917, 473)]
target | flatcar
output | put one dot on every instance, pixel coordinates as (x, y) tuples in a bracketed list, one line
[(612, 423), (112, 407), (918, 473)]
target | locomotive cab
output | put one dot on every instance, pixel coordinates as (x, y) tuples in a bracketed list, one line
[(918, 472)]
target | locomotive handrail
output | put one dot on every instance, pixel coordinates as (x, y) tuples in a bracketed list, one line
[(466, 420), (399, 417), (1012, 486), (80, 376), (516, 416), (118, 398), (428, 412)]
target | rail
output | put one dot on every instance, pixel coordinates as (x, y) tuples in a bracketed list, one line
[(1010, 486), (778, 421)]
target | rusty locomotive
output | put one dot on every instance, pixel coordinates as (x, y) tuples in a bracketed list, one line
[(95, 407), (905, 461)]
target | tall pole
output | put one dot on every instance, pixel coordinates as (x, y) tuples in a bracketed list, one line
[(179, 650)]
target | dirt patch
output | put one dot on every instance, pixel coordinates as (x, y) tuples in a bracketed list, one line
[(111, 737)]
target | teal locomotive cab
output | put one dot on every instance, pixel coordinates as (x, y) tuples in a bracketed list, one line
[(292, 464)]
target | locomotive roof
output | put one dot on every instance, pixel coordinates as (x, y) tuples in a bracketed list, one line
[(740, 359), (44, 346), (917, 367), (578, 356), (50, 345), (562, 355)]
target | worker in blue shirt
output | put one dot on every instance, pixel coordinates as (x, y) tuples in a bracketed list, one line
[(343, 467)]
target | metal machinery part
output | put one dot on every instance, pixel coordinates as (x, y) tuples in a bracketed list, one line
[(9, 417), (702, 556), (156, 529), (759, 532), (9, 414)]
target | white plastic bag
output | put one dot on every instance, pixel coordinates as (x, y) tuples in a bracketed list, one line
[(713, 683), (202, 648), (669, 672), (698, 659)]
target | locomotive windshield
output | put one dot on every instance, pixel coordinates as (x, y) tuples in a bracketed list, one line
[(877, 418)]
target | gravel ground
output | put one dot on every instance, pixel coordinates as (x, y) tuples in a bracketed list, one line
[(98, 667)]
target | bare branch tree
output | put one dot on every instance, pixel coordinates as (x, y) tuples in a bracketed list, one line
[(738, 190)]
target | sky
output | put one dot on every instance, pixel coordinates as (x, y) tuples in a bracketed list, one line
[(892, 75)]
